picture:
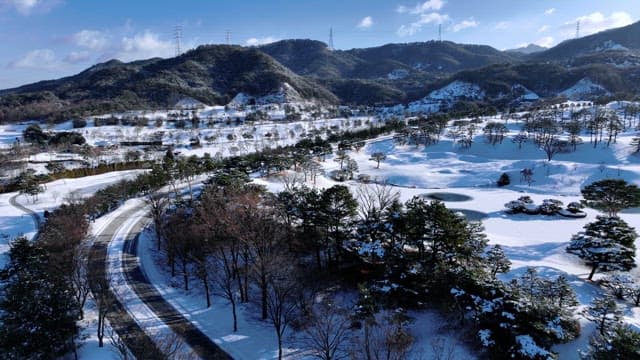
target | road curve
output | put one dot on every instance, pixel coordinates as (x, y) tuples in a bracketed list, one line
[(138, 342), (138, 280), (36, 218)]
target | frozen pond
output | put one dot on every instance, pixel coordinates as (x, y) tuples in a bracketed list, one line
[(447, 196)]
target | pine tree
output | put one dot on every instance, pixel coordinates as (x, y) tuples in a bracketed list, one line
[(623, 344), (611, 195), (607, 243), (497, 261), (563, 295), (338, 208), (605, 313), (38, 311)]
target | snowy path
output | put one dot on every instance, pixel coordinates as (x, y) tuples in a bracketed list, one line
[(36, 218), (137, 340), (138, 281)]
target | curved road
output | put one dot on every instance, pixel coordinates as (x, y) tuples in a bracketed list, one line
[(138, 342), (36, 218), (201, 344)]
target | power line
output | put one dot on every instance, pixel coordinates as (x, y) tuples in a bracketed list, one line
[(331, 47), (177, 36)]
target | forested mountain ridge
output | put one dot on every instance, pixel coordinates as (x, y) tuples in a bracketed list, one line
[(608, 62)]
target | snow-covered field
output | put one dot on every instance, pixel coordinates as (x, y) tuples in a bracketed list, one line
[(528, 240)]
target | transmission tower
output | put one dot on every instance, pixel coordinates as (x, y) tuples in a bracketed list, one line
[(578, 29), (331, 39), (440, 32), (227, 36), (177, 36)]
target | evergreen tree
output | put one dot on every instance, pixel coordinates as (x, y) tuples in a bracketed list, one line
[(497, 261), (38, 311), (624, 344), (611, 195), (338, 208), (607, 243), (605, 313)]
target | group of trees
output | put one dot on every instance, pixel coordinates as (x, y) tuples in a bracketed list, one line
[(246, 245), (35, 135), (608, 244), (44, 288)]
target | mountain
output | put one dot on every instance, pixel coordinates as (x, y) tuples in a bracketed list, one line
[(387, 74), (212, 74), (603, 64), (619, 42), (391, 61), (527, 50), (312, 58)]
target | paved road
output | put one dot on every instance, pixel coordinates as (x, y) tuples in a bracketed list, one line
[(201, 344), (36, 218), (140, 344)]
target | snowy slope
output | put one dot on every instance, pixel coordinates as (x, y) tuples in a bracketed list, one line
[(584, 88)]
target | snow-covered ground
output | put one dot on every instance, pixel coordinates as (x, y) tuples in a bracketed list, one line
[(528, 240)]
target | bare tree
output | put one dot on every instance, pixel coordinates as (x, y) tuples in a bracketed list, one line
[(224, 279), (374, 201), (327, 333), (119, 346), (389, 340), (104, 301), (281, 305), (158, 203), (79, 278)]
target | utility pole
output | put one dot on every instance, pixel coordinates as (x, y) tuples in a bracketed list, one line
[(177, 36), (331, 39)]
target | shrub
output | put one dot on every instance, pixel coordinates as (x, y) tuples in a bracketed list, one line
[(79, 123), (504, 180)]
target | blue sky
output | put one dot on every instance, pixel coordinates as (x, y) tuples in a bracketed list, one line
[(47, 39)]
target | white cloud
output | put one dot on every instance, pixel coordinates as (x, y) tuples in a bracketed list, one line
[(260, 41), (596, 22), (91, 39), (27, 7), (465, 24), (502, 25), (416, 26), (143, 46), (366, 22), (543, 28), (75, 57), (36, 59), (550, 11), (546, 41), (421, 8)]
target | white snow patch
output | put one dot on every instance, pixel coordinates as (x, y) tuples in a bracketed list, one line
[(584, 88)]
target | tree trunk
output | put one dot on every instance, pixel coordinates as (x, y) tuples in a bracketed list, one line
[(593, 271), (263, 290), (279, 346), (185, 275), (233, 310), (206, 290)]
